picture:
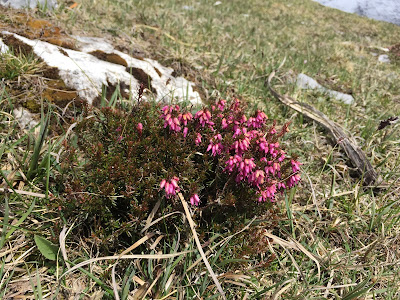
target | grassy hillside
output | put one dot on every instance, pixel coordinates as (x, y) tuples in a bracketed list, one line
[(330, 238)]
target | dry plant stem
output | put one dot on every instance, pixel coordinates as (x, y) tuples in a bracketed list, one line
[(296, 246), (22, 193), (133, 256), (196, 238), (350, 147), (225, 240), (135, 245)]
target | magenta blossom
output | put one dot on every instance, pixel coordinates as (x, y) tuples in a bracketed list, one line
[(268, 193), (185, 131), (204, 118), (257, 121), (171, 187), (233, 163), (295, 166), (139, 127), (246, 166), (257, 178), (293, 180), (198, 139), (221, 104), (215, 145), (195, 200), (185, 118), (169, 116)]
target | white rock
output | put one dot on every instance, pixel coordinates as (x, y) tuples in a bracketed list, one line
[(87, 74), (3, 47), (305, 82), (25, 118), (50, 4), (384, 58), (188, 7)]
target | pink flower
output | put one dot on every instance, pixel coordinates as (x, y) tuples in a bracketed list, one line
[(232, 163), (295, 166), (293, 180), (215, 145), (185, 131), (282, 157), (198, 139), (170, 120), (236, 105), (139, 127), (204, 117), (224, 123), (257, 178), (272, 168), (268, 193), (195, 200), (185, 118), (281, 185), (264, 146), (162, 184), (245, 168), (221, 104), (171, 187), (257, 121)]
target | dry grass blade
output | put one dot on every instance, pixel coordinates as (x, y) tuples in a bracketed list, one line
[(151, 216), (4, 253), (158, 220), (135, 245), (163, 32), (315, 202), (62, 238), (296, 246), (221, 242), (20, 258), (133, 256), (2, 190), (152, 284), (283, 287), (196, 238), (114, 282)]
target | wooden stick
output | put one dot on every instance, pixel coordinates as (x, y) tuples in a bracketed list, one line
[(350, 147)]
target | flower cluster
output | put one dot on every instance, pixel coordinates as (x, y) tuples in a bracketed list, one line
[(246, 148), (171, 187), (221, 160)]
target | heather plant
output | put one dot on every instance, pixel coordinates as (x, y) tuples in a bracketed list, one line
[(121, 163)]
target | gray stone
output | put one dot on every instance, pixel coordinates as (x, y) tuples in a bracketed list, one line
[(305, 82), (384, 58), (87, 74), (50, 4), (25, 118), (3, 47)]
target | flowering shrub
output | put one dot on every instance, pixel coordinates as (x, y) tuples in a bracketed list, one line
[(226, 164)]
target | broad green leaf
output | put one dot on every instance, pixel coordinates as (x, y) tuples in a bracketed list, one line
[(45, 247)]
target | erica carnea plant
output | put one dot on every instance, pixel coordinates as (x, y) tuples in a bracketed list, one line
[(121, 163)]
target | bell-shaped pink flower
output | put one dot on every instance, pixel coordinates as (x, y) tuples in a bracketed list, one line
[(195, 200)]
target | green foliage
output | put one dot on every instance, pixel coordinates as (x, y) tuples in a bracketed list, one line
[(14, 65), (45, 247)]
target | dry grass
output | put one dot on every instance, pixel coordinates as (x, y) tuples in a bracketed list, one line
[(334, 238)]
